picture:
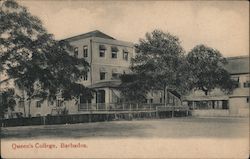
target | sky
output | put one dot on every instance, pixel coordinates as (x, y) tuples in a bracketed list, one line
[(223, 25)]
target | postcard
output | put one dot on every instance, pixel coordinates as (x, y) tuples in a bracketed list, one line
[(124, 79)]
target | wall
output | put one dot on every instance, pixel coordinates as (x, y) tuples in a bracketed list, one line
[(210, 113), (239, 106), (238, 99), (107, 62)]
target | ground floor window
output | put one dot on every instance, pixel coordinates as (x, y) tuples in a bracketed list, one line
[(38, 104), (84, 100), (100, 96), (21, 103), (214, 104), (59, 102), (225, 104)]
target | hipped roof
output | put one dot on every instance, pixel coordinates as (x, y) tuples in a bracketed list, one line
[(95, 33), (238, 65)]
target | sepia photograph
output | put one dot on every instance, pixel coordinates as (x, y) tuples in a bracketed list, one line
[(124, 79)]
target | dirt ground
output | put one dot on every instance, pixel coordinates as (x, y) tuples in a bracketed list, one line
[(161, 128)]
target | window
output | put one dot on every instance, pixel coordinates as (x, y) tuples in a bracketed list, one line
[(160, 100), (38, 104), (102, 75), (114, 51), (85, 77), (84, 100), (225, 104), (151, 100), (21, 103), (247, 99), (237, 80), (85, 51), (59, 102), (115, 75), (100, 96), (125, 56), (102, 49), (102, 53), (247, 84), (76, 52), (114, 55)]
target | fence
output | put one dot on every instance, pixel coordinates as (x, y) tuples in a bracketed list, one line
[(96, 114), (120, 106), (76, 118)]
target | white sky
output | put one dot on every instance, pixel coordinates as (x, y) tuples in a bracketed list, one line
[(221, 25)]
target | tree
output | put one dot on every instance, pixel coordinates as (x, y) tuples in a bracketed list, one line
[(207, 69), (134, 87), (39, 64), (159, 62), (7, 101)]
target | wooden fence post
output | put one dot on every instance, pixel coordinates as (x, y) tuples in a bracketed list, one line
[(44, 120), (172, 111)]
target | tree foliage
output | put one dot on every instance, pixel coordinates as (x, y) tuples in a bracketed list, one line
[(134, 87), (207, 69), (39, 64), (7, 101), (159, 62)]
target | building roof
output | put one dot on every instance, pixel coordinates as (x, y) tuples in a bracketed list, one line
[(175, 93), (95, 33), (107, 84), (238, 65)]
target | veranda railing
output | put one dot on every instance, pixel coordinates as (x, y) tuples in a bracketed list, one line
[(128, 107)]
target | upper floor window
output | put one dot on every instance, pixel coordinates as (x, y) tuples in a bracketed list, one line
[(237, 81), (38, 104), (114, 51), (247, 84), (102, 50), (102, 75), (115, 74), (125, 55), (76, 52), (85, 51), (161, 100), (85, 77)]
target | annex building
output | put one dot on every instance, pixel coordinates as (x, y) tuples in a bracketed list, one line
[(218, 103)]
